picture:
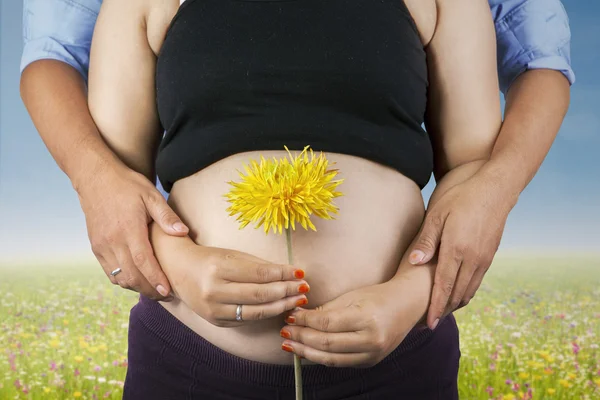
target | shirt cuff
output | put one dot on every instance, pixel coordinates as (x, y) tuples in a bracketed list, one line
[(553, 62), (49, 49)]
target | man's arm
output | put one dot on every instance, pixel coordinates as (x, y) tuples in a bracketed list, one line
[(118, 203), (534, 68)]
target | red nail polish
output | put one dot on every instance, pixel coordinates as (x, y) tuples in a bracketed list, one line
[(304, 288), (285, 334), (298, 274), (287, 348), (290, 319), (301, 302)]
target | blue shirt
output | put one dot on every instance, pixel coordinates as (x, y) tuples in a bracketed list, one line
[(531, 34)]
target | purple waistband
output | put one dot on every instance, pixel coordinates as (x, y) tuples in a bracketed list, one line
[(180, 337)]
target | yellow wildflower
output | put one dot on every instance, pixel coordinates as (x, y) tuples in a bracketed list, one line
[(83, 344), (78, 359), (597, 381), (77, 394), (564, 383), (54, 343), (571, 375), (278, 193), (551, 391), (509, 396), (46, 390), (65, 322), (537, 377), (93, 349), (523, 375)]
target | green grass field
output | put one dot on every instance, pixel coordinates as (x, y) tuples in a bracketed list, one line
[(532, 332)]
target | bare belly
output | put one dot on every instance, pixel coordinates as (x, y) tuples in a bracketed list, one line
[(379, 215)]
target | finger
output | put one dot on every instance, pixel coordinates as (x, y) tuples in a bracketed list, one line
[(260, 293), (237, 269), (342, 342), (106, 267), (339, 320), (145, 261), (449, 262), (130, 278), (465, 274), (474, 285), (260, 312), (428, 239), (163, 215), (328, 359)]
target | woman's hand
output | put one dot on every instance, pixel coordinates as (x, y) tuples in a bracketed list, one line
[(214, 281), (359, 328), (118, 204), (466, 222)]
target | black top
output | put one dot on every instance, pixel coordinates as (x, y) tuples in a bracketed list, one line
[(341, 76)]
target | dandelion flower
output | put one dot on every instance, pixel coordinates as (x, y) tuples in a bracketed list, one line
[(551, 391), (277, 194), (77, 394)]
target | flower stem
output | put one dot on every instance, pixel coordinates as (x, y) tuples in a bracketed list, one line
[(297, 363)]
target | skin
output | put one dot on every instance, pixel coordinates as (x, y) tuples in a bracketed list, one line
[(117, 201), (463, 120), (466, 224)]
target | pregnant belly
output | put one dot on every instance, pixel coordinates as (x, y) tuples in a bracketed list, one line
[(379, 215)]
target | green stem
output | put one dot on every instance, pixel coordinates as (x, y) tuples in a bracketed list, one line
[(297, 363)]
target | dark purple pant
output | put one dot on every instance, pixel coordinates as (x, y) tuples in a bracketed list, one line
[(168, 361)]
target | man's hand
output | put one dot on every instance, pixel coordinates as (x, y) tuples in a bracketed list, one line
[(118, 205), (212, 282), (466, 222), (359, 328)]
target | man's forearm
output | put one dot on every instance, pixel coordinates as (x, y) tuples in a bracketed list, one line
[(536, 104), (55, 96)]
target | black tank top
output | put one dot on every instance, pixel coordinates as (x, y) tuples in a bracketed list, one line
[(343, 76)]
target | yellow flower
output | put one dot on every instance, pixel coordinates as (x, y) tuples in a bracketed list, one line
[(537, 377), (571, 375), (77, 394), (54, 343), (564, 383), (46, 390), (597, 381), (78, 359), (83, 344), (93, 349), (278, 193), (509, 396), (523, 375), (551, 391), (65, 322)]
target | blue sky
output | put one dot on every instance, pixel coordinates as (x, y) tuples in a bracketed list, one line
[(40, 216)]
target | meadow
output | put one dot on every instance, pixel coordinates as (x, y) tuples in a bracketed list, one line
[(532, 332)]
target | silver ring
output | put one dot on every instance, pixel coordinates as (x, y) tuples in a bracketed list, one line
[(238, 313), (116, 272)]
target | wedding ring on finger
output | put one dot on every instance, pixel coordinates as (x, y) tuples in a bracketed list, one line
[(238, 313), (116, 272)]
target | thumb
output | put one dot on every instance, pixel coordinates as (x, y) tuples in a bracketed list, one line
[(165, 217), (427, 240)]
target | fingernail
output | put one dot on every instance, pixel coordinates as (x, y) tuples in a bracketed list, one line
[(290, 319), (435, 324), (287, 348), (285, 334), (179, 227), (299, 274), (416, 257), (304, 288), (301, 302), (161, 289)]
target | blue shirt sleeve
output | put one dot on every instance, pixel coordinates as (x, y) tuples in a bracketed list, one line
[(531, 34), (59, 30)]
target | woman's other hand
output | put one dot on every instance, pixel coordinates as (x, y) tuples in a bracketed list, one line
[(466, 222), (214, 281), (118, 204), (359, 328)]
